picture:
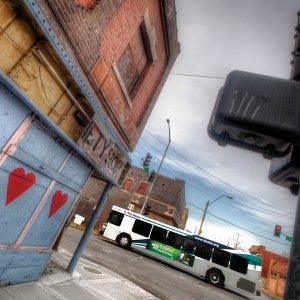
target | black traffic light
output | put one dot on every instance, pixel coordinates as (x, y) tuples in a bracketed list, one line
[(146, 162), (147, 209), (152, 176), (257, 112), (285, 171), (277, 230)]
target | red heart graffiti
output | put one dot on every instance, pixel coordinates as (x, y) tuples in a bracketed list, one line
[(18, 183), (58, 200)]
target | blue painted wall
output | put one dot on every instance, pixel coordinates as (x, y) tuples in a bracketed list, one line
[(40, 180)]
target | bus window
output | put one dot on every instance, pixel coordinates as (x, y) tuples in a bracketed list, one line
[(142, 228), (158, 234), (174, 240), (203, 250), (220, 257), (238, 263), (115, 218), (188, 246)]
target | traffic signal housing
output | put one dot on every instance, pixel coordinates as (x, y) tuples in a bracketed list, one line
[(277, 230), (147, 209), (146, 162), (285, 171), (257, 112), (152, 176)]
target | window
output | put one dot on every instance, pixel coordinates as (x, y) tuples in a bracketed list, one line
[(174, 240), (142, 188), (158, 234), (188, 246), (133, 61), (115, 218), (220, 257), (239, 264), (142, 228), (203, 250), (127, 184)]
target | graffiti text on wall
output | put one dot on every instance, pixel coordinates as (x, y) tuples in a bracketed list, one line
[(105, 154)]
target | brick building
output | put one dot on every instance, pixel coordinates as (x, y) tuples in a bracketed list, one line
[(124, 48), (167, 198), (267, 257), (274, 270)]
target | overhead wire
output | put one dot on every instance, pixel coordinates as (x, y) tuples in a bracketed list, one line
[(266, 224), (223, 182)]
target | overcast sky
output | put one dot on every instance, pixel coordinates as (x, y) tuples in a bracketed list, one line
[(216, 37)]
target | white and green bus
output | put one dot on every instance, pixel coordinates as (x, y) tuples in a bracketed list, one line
[(218, 264)]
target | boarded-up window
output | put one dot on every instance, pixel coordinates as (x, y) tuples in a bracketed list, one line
[(133, 61), (127, 184), (142, 188), (33, 66)]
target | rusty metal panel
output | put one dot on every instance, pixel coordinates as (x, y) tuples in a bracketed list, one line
[(70, 125), (7, 13), (16, 38), (37, 80), (37, 83)]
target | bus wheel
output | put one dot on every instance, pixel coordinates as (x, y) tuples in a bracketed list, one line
[(215, 277), (124, 240)]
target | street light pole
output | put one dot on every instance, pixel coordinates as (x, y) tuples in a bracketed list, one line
[(161, 162), (205, 210)]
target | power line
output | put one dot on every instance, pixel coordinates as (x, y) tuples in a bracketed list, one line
[(220, 180), (195, 75), (238, 226), (245, 209)]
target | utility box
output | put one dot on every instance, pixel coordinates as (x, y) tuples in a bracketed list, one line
[(257, 112)]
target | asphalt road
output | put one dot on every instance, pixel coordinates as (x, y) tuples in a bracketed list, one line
[(157, 278)]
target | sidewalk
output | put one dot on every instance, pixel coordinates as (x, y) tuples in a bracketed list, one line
[(89, 281)]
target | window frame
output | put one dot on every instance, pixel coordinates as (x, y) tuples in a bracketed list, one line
[(116, 213), (174, 240), (155, 237), (137, 225), (148, 33)]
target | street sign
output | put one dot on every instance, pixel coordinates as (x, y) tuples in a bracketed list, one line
[(289, 238)]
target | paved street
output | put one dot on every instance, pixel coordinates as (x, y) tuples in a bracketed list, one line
[(108, 272), (158, 279)]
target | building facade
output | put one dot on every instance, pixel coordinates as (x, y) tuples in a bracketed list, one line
[(78, 81), (274, 270), (166, 200)]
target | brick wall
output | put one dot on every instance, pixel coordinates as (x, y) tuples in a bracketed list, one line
[(103, 32)]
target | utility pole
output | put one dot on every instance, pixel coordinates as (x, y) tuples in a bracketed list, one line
[(205, 210), (203, 217), (161, 162)]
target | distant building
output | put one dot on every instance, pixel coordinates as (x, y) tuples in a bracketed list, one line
[(274, 270), (167, 198)]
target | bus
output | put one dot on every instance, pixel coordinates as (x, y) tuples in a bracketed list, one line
[(218, 264)]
